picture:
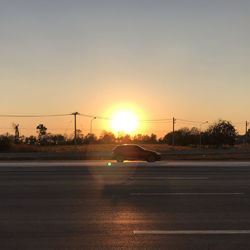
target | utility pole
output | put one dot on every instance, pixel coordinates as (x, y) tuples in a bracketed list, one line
[(200, 135), (174, 120), (246, 132), (75, 114)]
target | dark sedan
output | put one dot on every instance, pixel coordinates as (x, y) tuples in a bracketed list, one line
[(134, 152)]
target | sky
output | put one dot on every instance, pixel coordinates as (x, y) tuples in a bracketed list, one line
[(187, 59)]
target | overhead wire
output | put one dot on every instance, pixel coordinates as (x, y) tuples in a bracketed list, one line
[(157, 120), (32, 116), (183, 120), (153, 121), (95, 116)]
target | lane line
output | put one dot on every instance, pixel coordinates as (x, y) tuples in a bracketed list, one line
[(179, 194), (176, 232), (168, 178)]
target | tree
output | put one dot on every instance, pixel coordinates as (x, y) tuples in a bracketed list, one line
[(55, 139), (16, 129), (5, 143), (183, 137), (153, 138), (90, 138), (42, 131), (139, 138), (221, 133), (107, 138), (124, 139), (31, 140), (79, 136)]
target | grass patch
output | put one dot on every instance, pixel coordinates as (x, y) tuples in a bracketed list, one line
[(98, 148)]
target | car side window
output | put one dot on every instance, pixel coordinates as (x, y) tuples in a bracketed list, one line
[(125, 149), (138, 149)]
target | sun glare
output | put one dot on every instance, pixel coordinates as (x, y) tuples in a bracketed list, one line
[(124, 121)]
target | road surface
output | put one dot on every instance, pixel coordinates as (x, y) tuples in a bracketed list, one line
[(134, 205)]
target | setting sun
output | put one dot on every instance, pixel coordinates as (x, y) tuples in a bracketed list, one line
[(124, 121)]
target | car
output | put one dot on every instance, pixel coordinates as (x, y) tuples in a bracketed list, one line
[(134, 152)]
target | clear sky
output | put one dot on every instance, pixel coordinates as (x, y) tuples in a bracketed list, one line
[(188, 59)]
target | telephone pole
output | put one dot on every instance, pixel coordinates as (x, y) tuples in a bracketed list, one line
[(75, 114), (246, 131), (174, 120)]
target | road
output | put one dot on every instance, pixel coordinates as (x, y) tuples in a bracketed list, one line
[(134, 205)]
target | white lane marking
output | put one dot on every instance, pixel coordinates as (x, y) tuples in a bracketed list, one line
[(172, 194), (168, 178), (192, 232)]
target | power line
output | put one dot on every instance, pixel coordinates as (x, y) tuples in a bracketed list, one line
[(95, 116), (183, 120), (157, 120), (109, 118), (185, 124), (154, 122), (241, 123), (90, 116), (32, 116)]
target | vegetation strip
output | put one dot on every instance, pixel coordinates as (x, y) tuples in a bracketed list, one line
[(170, 194), (192, 232)]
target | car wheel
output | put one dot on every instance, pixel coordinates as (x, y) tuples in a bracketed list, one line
[(151, 158), (119, 158)]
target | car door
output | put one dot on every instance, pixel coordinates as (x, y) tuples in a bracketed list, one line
[(131, 153), (140, 153)]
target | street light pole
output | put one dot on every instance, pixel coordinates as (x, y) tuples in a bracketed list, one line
[(75, 114), (246, 132), (91, 124)]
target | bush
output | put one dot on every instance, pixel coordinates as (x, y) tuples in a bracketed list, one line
[(221, 133), (5, 143)]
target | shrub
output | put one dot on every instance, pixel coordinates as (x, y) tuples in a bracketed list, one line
[(5, 143)]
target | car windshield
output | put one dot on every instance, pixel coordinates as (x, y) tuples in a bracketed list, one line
[(138, 148)]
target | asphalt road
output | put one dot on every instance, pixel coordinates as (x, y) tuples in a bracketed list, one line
[(135, 205)]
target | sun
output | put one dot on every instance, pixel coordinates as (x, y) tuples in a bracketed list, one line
[(124, 121)]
